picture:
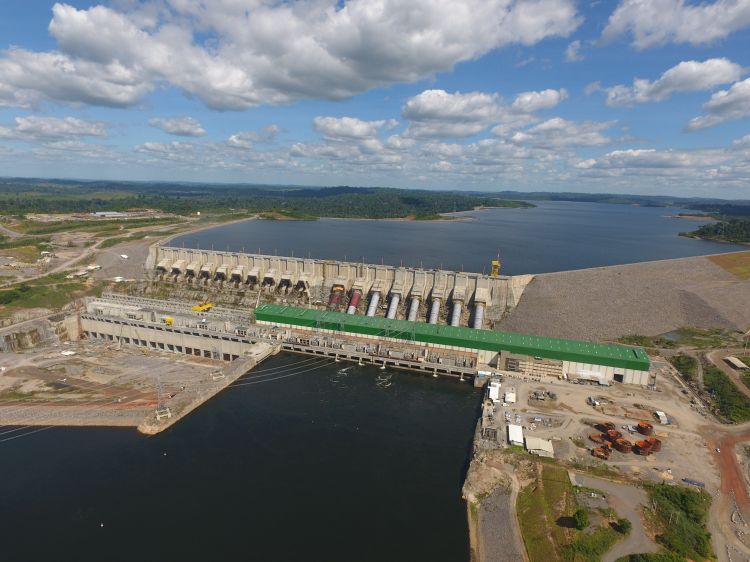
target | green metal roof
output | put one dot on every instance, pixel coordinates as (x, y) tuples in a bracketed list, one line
[(611, 355)]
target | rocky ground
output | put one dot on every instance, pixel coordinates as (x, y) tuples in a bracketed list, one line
[(649, 298)]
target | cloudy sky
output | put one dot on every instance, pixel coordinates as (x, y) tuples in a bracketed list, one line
[(638, 96)]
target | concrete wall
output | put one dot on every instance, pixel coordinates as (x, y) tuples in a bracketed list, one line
[(214, 346), (498, 293)]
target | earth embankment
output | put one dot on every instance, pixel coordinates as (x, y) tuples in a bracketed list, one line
[(648, 299)]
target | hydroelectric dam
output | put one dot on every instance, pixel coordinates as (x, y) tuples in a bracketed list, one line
[(418, 295)]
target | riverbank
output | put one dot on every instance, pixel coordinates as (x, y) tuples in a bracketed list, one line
[(691, 217)]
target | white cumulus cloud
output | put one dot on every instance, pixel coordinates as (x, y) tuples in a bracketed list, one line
[(35, 128), (573, 51), (347, 128), (437, 113), (725, 105), (558, 132), (656, 22), (180, 126), (687, 76), (530, 102), (234, 55)]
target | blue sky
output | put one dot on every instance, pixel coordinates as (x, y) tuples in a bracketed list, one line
[(633, 96)]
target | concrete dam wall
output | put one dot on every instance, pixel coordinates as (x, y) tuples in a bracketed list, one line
[(432, 295)]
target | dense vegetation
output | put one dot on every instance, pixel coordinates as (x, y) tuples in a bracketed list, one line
[(54, 196), (653, 557), (732, 230), (729, 401), (682, 514), (686, 365)]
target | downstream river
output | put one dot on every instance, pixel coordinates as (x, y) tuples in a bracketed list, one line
[(339, 463), (553, 236)]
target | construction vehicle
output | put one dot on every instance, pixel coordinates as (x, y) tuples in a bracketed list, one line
[(495, 271), (203, 307), (167, 320)]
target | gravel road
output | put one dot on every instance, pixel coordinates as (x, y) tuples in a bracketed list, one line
[(498, 537)]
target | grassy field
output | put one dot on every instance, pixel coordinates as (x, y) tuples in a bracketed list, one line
[(738, 264), (685, 337), (648, 341), (52, 291), (26, 254), (535, 522), (109, 242), (104, 225)]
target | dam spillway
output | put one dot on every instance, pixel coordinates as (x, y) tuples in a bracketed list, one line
[(422, 295)]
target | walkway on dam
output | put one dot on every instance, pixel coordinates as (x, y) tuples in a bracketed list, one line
[(217, 381)]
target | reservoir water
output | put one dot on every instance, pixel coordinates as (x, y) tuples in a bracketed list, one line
[(553, 236), (333, 464)]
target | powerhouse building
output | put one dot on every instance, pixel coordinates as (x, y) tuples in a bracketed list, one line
[(528, 355)]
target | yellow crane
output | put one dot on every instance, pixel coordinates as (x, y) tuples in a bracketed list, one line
[(203, 307), (495, 271)]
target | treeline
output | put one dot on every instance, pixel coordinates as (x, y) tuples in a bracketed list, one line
[(713, 206), (733, 230), (27, 196), (727, 210)]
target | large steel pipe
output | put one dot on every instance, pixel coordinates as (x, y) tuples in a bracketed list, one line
[(434, 310), (413, 309), (393, 306), (374, 300), (456, 313), (353, 302), (478, 315)]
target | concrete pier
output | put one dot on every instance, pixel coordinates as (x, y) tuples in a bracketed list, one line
[(217, 382)]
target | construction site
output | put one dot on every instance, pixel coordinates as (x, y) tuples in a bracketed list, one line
[(146, 353)]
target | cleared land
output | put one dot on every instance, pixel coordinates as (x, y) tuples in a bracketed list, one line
[(649, 299)]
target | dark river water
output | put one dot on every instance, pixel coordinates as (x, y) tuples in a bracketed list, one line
[(553, 236), (322, 466)]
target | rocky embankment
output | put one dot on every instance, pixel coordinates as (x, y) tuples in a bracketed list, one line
[(649, 298)]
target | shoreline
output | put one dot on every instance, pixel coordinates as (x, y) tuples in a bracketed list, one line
[(691, 217), (687, 235)]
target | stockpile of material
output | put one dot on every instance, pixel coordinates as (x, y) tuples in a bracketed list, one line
[(610, 438)]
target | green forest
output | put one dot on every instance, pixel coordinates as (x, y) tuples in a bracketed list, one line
[(732, 230), (18, 196)]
